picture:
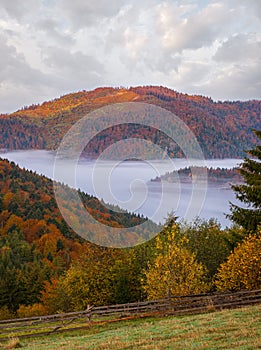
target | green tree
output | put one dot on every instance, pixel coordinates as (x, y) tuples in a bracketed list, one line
[(208, 242), (126, 273), (22, 274), (249, 193)]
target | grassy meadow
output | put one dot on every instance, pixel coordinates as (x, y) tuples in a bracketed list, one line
[(228, 329)]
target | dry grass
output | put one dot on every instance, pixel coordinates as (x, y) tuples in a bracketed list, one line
[(228, 329), (13, 343)]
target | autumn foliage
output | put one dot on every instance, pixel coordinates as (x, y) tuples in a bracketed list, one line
[(242, 270), (175, 270), (222, 128), (46, 268)]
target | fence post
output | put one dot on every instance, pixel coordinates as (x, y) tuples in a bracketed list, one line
[(168, 299), (89, 313)]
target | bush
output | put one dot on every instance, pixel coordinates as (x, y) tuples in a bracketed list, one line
[(31, 310)]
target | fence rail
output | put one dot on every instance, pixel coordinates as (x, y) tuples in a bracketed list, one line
[(172, 305)]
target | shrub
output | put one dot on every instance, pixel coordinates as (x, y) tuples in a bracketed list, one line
[(31, 310)]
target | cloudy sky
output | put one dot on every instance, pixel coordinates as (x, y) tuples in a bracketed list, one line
[(52, 47)]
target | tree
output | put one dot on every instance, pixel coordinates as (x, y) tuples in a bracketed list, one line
[(54, 296), (208, 242), (249, 192), (242, 270), (22, 274), (89, 281), (175, 270)]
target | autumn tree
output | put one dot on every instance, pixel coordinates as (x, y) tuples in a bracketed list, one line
[(89, 280), (54, 296), (242, 270), (249, 193), (175, 270)]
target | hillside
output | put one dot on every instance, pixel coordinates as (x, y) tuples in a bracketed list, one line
[(223, 129), (27, 199), (219, 175), (36, 244)]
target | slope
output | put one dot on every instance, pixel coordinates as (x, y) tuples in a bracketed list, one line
[(223, 129)]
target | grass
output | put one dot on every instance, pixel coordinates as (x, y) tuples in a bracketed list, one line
[(13, 343), (228, 329)]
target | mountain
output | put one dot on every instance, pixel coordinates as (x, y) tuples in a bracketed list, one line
[(223, 129)]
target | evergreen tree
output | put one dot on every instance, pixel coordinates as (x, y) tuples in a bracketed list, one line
[(249, 192), (59, 245)]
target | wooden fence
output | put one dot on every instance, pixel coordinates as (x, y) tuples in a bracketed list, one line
[(173, 305)]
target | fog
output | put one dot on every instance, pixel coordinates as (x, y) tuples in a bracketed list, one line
[(127, 184)]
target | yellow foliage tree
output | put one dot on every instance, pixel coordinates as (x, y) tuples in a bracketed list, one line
[(7, 199), (89, 281), (175, 270), (242, 270), (31, 310)]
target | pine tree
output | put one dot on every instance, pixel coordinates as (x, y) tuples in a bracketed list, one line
[(249, 193)]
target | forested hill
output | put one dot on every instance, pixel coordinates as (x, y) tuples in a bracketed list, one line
[(36, 245), (218, 175), (27, 203), (223, 129)]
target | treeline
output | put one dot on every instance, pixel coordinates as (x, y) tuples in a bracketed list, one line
[(223, 129), (211, 174), (17, 133), (45, 267)]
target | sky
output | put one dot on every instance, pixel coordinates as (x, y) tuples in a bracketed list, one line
[(53, 47)]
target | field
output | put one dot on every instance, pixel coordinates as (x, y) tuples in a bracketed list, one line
[(228, 329)]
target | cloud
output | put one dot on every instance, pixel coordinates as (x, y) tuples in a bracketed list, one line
[(252, 6), (240, 47), (82, 13), (194, 72), (51, 28), (20, 84), (256, 4), (186, 28), (50, 47), (134, 33), (235, 82), (73, 69), (238, 72), (14, 68), (18, 9)]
